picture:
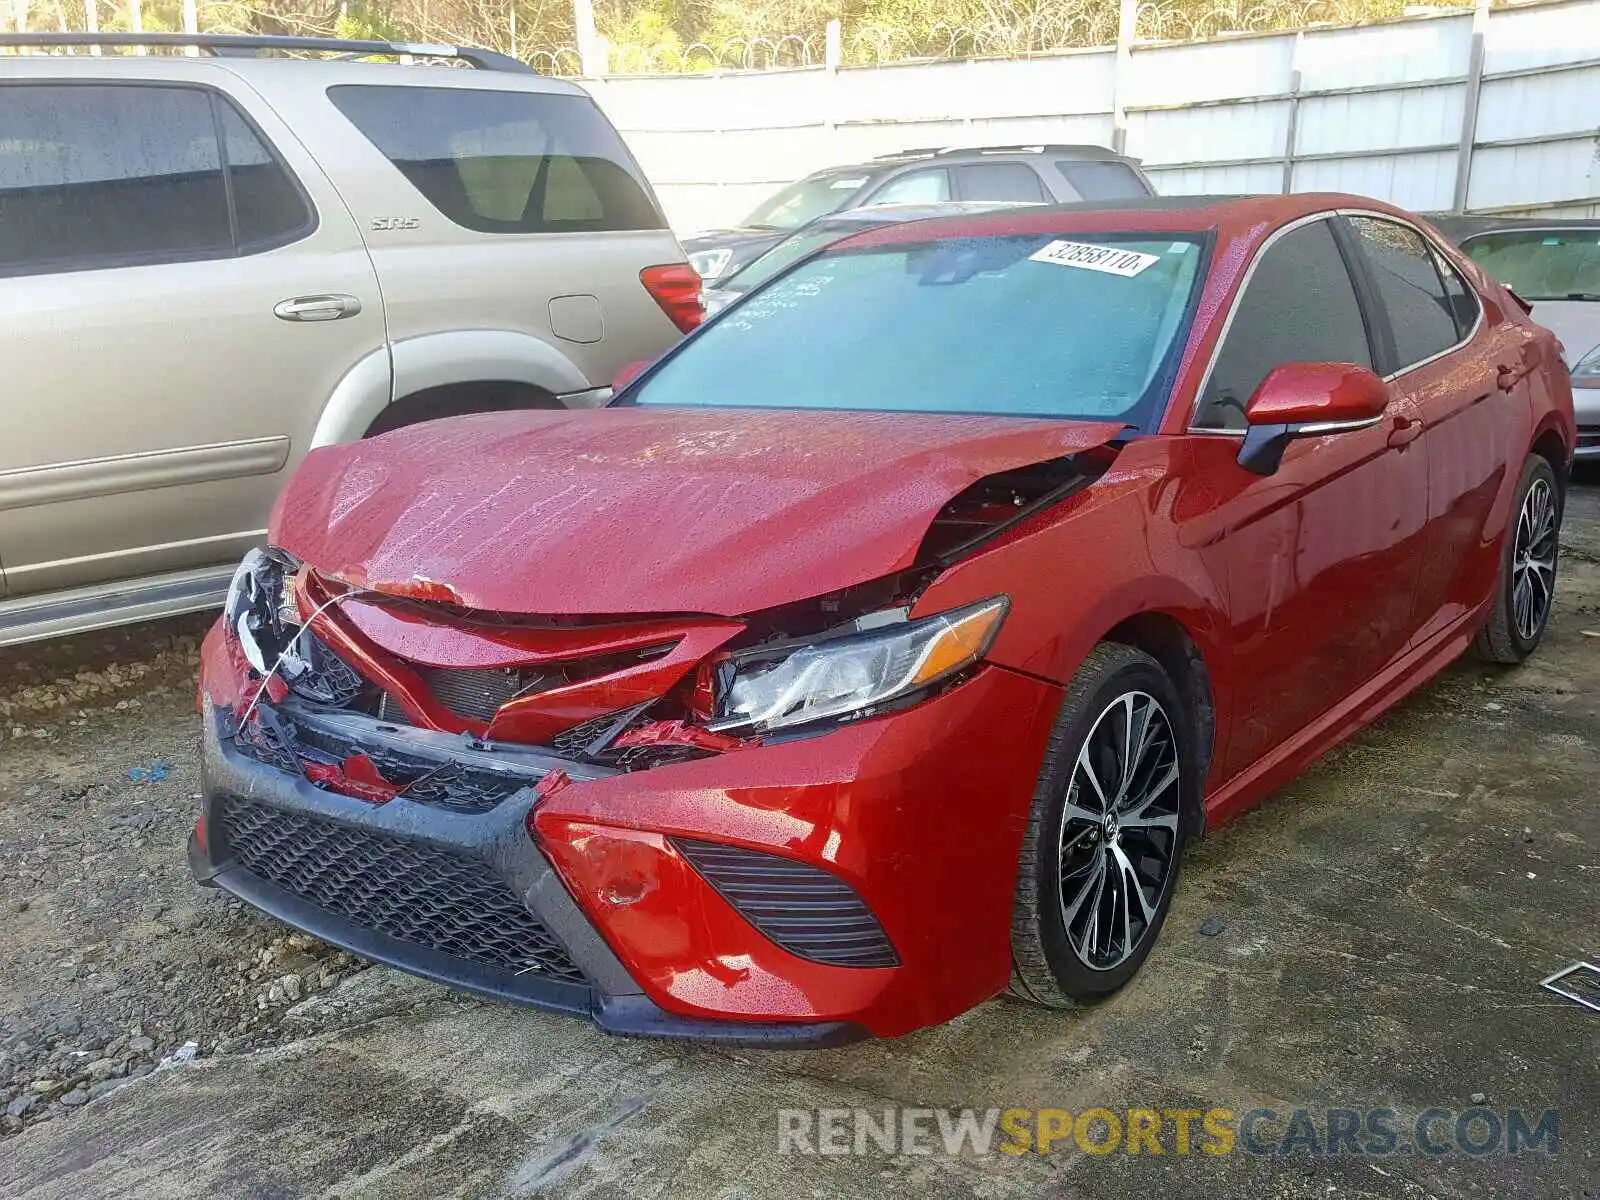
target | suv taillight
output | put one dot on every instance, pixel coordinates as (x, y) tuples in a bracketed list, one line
[(675, 287)]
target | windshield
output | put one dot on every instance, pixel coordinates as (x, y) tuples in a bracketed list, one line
[(1541, 264), (805, 201), (792, 249), (1087, 327)]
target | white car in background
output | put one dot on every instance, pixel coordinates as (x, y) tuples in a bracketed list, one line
[(1554, 266)]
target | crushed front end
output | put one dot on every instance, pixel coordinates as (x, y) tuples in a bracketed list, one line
[(678, 825)]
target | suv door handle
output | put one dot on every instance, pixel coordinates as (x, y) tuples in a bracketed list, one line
[(316, 308)]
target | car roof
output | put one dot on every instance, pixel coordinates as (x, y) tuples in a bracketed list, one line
[(1462, 229), (887, 214), (958, 154), (273, 74), (1250, 218)]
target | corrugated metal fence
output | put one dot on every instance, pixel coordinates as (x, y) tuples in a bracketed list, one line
[(1488, 111)]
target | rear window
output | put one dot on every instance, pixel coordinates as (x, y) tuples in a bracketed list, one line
[(505, 162), (1102, 180), (1085, 326), (1541, 264)]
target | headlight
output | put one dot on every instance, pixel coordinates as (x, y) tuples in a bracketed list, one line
[(708, 264), (260, 609), (855, 671), (1587, 369)]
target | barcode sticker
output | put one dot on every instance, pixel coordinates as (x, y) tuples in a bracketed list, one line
[(1108, 260)]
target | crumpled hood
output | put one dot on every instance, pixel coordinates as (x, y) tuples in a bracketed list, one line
[(637, 510)]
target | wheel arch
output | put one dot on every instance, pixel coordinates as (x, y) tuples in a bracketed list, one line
[(442, 359), (457, 399), (1550, 445), (1167, 639)]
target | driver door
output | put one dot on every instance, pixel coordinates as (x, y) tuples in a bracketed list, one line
[(1319, 561)]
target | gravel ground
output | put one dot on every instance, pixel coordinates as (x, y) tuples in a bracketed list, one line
[(112, 959)]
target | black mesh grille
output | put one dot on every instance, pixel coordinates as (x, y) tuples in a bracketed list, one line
[(434, 898), (802, 908)]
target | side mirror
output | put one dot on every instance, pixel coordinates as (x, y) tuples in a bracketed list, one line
[(627, 374), (1300, 400)]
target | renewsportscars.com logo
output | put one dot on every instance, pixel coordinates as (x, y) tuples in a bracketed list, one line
[(1264, 1132)]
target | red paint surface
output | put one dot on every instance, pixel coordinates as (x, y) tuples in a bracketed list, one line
[(357, 776), (922, 813), (1302, 393), (1316, 597), (627, 510)]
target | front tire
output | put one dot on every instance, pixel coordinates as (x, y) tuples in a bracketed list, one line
[(1525, 589), (1102, 851)]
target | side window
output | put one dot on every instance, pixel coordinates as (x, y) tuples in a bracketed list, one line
[(268, 204), (1463, 300), (1000, 181), (108, 175), (1102, 180), (919, 187), (1299, 306), (505, 161), (1409, 288)]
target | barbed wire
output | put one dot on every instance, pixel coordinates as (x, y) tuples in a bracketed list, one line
[(1070, 25)]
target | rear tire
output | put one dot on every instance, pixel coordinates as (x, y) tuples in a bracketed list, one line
[(1101, 854), (1525, 590)]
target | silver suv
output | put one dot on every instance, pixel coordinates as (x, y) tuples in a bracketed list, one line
[(212, 262)]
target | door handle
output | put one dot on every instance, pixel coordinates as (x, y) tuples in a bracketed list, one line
[(316, 308), (1404, 431), (1507, 377)]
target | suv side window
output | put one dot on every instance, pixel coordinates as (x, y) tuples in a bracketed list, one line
[(505, 162), (1421, 315), (917, 187), (1000, 181), (108, 175), (267, 202), (1102, 180), (1299, 306)]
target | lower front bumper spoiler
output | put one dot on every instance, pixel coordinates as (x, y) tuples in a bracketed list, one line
[(611, 998)]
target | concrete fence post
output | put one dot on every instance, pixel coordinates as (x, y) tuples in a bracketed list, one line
[(1469, 107), (1292, 135), (1127, 25)]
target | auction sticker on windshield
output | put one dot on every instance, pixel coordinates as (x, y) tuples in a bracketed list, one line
[(1108, 259)]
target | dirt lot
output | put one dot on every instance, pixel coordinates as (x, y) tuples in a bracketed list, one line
[(1372, 937)]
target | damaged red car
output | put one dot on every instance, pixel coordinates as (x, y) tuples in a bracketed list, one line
[(880, 648)]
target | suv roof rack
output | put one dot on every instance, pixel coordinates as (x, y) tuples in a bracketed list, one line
[(247, 44), (1083, 148)]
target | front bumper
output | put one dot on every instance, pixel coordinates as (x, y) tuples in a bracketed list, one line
[(920, 812), (1586, 407), (603, 990)]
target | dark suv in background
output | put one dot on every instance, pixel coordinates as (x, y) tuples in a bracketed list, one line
[(1020, 174)]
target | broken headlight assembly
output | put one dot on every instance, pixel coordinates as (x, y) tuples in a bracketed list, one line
[(260, 610), (876, 659)]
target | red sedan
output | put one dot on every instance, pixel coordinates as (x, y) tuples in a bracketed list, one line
[(880, 648)]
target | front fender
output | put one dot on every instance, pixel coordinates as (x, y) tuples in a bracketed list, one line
[(1108, 554)]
